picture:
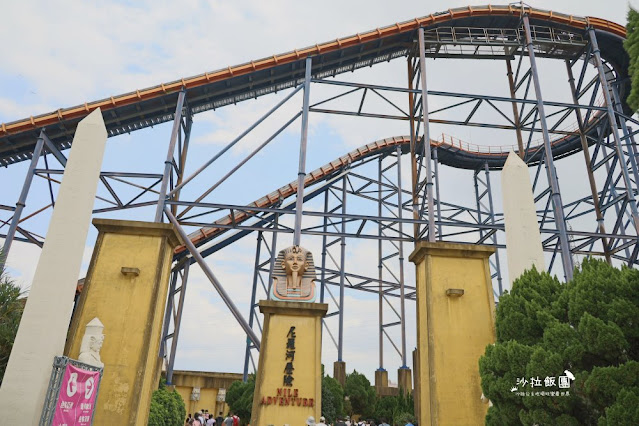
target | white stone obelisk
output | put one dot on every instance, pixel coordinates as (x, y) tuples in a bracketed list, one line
[(45, 321), (523, 241)]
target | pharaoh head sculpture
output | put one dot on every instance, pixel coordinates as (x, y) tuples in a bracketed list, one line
[(92, 343), (294, 275)]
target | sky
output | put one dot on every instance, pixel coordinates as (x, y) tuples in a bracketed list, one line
[(60, 54)]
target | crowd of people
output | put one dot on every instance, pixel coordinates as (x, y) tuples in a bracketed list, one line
[(206, 419), (346, 421)]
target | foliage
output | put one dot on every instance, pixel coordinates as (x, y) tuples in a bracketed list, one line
[(167, 408), (631, 44), (403, 419), (360, 394), (332, 399), (240, 398), (395, 409), (587, 326), (11, 306)]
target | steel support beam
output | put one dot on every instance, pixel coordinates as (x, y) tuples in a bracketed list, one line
[(176, 324), (605, 88), (426, 140), (342, 277), (560, 220), (17, 213), (256, 272), (402, 294), (380, 271), (168, 163), (213, 279), (301, 174)]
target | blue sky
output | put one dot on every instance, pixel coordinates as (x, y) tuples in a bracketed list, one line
[(65, 53)]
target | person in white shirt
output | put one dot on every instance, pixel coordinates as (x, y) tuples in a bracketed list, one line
[(322, 422)]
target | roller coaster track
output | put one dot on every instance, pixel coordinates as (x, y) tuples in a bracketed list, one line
[(147, 107)]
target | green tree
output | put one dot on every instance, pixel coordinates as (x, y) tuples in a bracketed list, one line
[(395, 409), (332, 399), (360, 394), (167, 408), (240, 398), (587, 326), (631, 44), (11, 307)]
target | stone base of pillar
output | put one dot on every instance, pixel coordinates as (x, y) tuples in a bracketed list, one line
[(288, 385), (404, 379), (339, 372), (381, 378)]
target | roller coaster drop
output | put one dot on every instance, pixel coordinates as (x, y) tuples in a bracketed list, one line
[(603, 223)]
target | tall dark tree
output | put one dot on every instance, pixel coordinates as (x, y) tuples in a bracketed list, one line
[(589, 327), (332, 399), (360, 394), (239, 397), (11, 307), (632, 47)]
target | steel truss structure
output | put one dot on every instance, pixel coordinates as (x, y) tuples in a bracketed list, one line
[(605, 222)]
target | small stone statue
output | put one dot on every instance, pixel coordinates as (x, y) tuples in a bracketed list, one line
[(294, 276), (92, 343)]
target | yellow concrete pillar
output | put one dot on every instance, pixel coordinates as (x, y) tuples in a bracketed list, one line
[(126, 288), (339, 372), (381, 379), (405, 379), (455, 322), (288, 386)]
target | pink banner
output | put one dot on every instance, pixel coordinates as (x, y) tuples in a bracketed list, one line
[(76, 400)]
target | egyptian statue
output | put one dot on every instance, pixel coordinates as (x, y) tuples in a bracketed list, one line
[(92, 343), (294, 276)]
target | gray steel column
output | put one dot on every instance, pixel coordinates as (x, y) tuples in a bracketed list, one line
[(632, 152), (167, 311), (213, 279), (342, 276), (183, 155), (17, 213), (324, 237), (168, 163), (413, 154), (301, 174), (478, 202), (558, 210), (492, 222), (427, 154), (177, 322), (439, 203), (402, 298), (380, 271), (591, 177), (605, 88), (626, 131), (273, 255), (511, 85), (256, 272)]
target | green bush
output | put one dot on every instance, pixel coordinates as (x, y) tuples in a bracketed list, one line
[(167, 408), (11, 307), (588, 326)]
